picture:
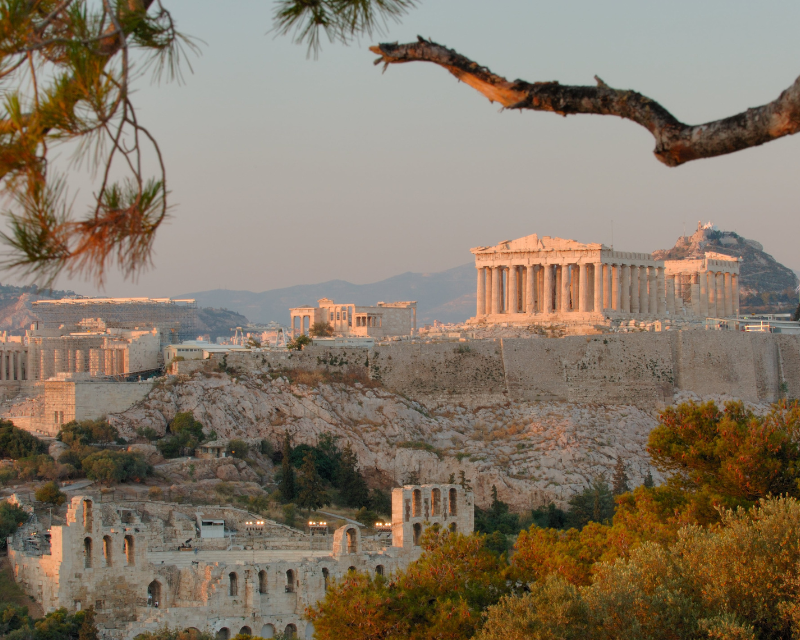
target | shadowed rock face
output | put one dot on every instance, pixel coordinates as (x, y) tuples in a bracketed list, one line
[(765, 284)]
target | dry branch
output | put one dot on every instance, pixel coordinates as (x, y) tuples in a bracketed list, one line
[(676, 142)]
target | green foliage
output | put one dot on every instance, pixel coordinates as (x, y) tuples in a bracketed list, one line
[(266, 448), (11, 517), (496, 518), (50, 493), (16, 443), (311, 494), (29, 468), (728, 457), (321, 330), (186, 434), (286, 485), (593, 504), (165, 633), (148, 433), (619, 481), (299, 342), (340, 20), (289, 515), (350, 481), (380, 502), (56, 625), (238, 449), (549, 516), (87, 432), (109, 467), (739, 580), (440, 595)]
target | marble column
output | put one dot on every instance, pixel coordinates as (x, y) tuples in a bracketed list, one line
[(634, 289), (712, 294), (583, 303), (695, 290), (489, 295), (661, 304), (735, 293), (652, 290), (728, 296), (497, 289), (644, 296), (720, 294), (622, 297), (598, 287), (481, 293), (559, 274), (703, 294), (513, 290), (2, 365), (671, 295), (530, 289), (547, 300), (565, 282), (608, 277)]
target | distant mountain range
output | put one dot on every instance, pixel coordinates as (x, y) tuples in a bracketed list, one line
[(447, 296)]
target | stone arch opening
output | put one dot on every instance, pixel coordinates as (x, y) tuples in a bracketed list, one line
[(309, 631), (290, 581), (325, 577), (417, 503), (436, 502), (290, 631), (223, 634), (246, 631), (129, 550), (193, 633), (352, 541), (417, 533), (87, 553), (88, 515), (379, 570), (107, 547), (233, 584), (262, 581), (154, 594), (268, 631), (351, 569), (453, 502), (453, 527)]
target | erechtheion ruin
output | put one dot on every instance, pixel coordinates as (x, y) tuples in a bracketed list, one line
[(384, 320), (144, 565), (554, 280)]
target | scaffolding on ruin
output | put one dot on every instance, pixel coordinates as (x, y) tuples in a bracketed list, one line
[(176, 319)]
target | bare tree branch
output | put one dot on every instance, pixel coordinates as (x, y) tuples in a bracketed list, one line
[(676, 142)]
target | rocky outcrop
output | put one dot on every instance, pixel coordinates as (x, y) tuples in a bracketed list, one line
[(533, 452)]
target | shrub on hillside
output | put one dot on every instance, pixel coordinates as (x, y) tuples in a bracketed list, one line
[(51, 494), (108, 467), (87, 432), (16, 443), (11, 517)]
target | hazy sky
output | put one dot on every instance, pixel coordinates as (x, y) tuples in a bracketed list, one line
[(287, 171)]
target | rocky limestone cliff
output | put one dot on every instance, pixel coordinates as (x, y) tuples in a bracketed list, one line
[(532, 452), (765, 284)]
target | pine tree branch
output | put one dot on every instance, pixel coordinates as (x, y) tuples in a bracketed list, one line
[(676, 142)]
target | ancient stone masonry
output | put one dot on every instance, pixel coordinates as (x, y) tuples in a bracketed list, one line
[(384, 320), (550, 280), (146, 565)]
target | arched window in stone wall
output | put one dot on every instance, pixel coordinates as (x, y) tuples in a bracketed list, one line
[(87, 553), (268, 631), (88, 517), (351, 569), (129, 551), (417, 503), (352, 541), (245, 631), (290, 581), (154, 594), (379, 570), (290, 631), (223, 634), (233, 584), (453, 527), (262, 581), (417, 533), (436, 502), (325, 576), (453, 502), (107, 547)]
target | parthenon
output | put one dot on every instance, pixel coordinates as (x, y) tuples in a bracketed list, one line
[(546, 279)]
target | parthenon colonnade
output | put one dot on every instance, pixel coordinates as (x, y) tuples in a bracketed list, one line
[(530, 277)]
